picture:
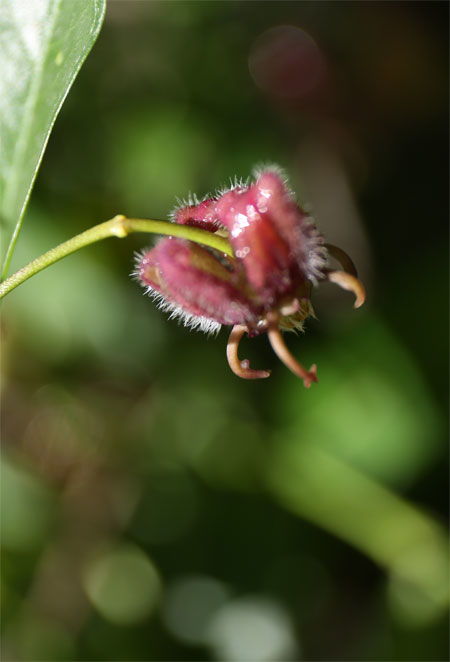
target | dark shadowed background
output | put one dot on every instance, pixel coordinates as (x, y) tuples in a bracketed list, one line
[(155, 506)]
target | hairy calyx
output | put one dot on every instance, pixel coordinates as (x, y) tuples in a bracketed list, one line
[(279, 255)]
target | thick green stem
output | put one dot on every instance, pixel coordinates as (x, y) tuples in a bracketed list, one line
[(119, 226)]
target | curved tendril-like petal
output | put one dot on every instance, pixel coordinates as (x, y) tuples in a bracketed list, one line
[(344, 260), (241, 368), (280, 349), (350, 283)]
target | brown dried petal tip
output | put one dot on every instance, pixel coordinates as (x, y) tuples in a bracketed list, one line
[(350, 283), (344, 260), (241, 368)]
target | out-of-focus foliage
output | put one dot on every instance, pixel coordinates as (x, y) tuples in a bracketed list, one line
[(155, 506), (44, 44)]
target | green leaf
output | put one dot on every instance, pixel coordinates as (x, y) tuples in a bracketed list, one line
[(44, 45)]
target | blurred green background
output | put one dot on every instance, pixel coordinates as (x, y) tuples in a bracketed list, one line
[(155, 507)]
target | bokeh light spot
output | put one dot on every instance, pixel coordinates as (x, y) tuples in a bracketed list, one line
[(286, 62), (252, 628), (190, 604), (123, 585), (26, 512)]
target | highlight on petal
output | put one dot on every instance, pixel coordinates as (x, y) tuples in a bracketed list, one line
[(264, 253), (350, 283), (241, 368), (274, 238), (197, 284)]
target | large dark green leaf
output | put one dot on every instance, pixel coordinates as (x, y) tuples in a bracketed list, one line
[(44, 43)]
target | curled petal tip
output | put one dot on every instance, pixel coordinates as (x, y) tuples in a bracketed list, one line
[(248, 373), (350, 283), (241, 368)]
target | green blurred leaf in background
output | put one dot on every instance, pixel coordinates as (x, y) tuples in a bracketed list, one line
[(45, 42)]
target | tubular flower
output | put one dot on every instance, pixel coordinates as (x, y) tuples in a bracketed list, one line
[(266, 287)]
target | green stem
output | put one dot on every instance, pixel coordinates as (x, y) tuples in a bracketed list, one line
[(119, 226)]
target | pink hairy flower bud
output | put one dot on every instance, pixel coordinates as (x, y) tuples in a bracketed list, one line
[(278, 256), (196, 286)]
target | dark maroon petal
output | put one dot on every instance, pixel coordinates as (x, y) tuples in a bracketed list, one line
[(201, 215), (198, 282), (256, 241), (296, 227), (271, 235)]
